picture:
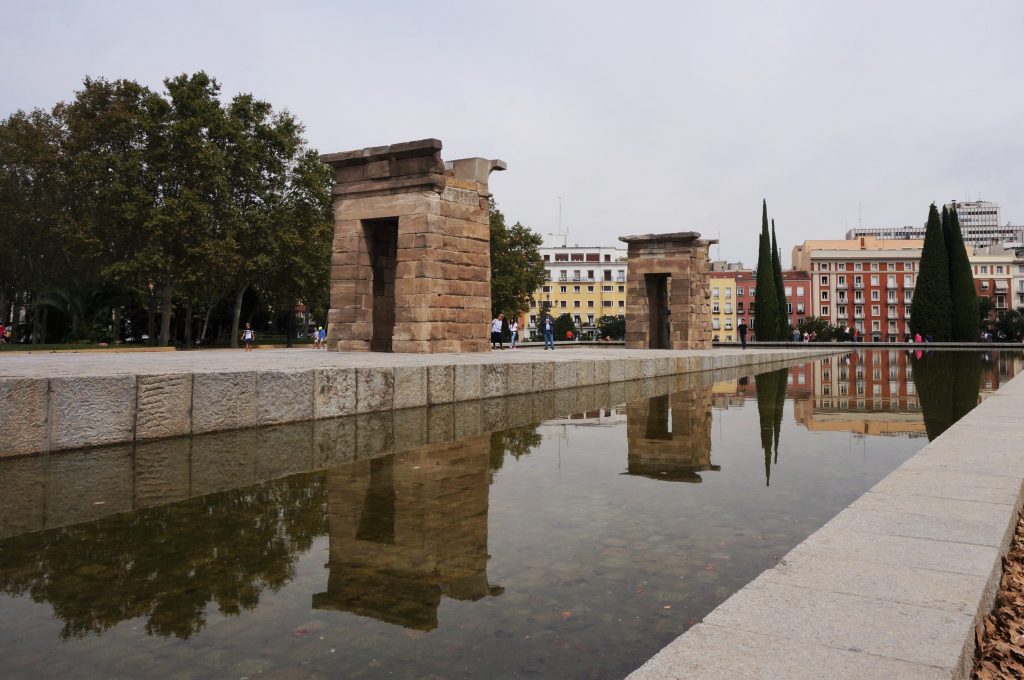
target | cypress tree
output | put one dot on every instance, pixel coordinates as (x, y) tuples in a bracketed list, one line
[(961, 281), (780, 290), (931, 310), (766, 306)]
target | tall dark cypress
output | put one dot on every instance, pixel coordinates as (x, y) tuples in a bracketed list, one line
[(931, 310), (766, 305), (961, 281), (780, 290)]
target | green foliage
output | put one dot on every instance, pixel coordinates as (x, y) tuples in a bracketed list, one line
[(823, 330), (931, 309), (961, 281), (766, 304), (1009, 326), (563, 324), (175, 196), (780, 290), (613, 327), (517, 268)]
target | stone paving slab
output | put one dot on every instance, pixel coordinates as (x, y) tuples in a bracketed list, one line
[(63, 401), (894, 586)]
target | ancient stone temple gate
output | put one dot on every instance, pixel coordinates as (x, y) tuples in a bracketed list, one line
[(667, 291), (411, 262)]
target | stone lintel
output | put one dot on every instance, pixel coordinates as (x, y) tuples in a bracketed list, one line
[(422, 147), (687, 237)]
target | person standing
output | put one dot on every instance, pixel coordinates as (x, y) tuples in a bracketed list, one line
[(514, 330), (548, 326), (248, 337), (742, 328), (496, 323)]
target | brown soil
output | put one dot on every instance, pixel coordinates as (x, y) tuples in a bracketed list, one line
[(1000, 649)]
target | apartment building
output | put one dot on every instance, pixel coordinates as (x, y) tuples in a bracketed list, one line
[(723, 306), (585, 282), (994, 269), (979, 224)]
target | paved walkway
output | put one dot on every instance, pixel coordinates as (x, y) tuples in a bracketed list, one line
[(894, 585)]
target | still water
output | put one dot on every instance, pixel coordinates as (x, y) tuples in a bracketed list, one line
[(421, 544)]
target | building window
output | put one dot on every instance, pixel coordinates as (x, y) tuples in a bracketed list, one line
[(800, 291), (715, 309), (789, 291), (824, 310), (545, 289), (562, 304), (824, 295), (856, 266), (622, 289), (875, 310), (875, 296), (739, 292), (728, 324), (561, 289), (789, 308), (576, 304), (874, 279), (575, 289), (984, 285), (840, 281), (590, 289), (800, 308), (607, 289), (841, 266), (728, 308), (824, 279), (739, 307), (714, 292), (622, 303), (607, 303), (715, 324), (728, 293), (908, 280)]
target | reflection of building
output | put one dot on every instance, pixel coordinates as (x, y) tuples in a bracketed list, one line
[(407, 529), (670, 436)]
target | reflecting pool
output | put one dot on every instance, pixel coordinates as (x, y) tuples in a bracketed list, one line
[(567, 534)]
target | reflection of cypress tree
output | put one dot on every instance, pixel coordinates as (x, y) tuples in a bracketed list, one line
[(947, 385), (169, 563), (771, 398)]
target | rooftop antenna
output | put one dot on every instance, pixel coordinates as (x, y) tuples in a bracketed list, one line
[(563, 233)]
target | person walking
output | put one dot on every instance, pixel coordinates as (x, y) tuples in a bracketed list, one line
[(496, 323), (742, 328), (548, 326), (514, 330), (248, 337), (323, 337)]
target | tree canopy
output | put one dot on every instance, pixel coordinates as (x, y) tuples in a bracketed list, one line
[(766, 301), (166, 202), (517, 268), (931, 308), (961, 281)]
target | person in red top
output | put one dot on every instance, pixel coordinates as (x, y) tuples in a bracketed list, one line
[(568, 335)]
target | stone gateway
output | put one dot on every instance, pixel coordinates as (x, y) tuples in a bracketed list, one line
[(668, 291), (411, 260)]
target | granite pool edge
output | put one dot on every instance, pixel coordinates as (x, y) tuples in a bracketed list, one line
[(895, 585), (59, 413)]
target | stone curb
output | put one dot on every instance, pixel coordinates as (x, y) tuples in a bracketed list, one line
[(60, 410)]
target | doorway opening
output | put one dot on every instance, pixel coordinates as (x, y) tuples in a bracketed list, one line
[(657, 310), (382, 245)]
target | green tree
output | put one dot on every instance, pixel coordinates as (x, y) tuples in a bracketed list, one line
[(822, 329), (1009, 326), (771, 400), (961, 281), (766, 303), (985, 309), (517, 268), (562, 325), (780, 290), (613, 327), (931, 309)]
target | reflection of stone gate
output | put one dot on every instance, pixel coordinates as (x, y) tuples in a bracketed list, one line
[(411, 263), (675, 453), (667, 291), (406, 529)]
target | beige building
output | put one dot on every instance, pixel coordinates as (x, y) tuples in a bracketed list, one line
[(586, 283)]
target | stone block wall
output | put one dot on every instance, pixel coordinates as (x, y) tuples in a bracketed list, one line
[(684, 258), (411, 252)]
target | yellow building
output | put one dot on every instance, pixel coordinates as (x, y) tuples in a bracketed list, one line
[(723, 307), (586, 283)]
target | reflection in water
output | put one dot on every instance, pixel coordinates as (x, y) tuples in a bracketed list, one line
[(947, 385), (771, 398), (406, 530), (168, 563), (669, 436)]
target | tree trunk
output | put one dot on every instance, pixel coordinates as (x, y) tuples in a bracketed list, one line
[(115, 314), (165, 314), (291, 327), (206, 324), (237, 315), (37, 326), (188, 325), (151, 320)]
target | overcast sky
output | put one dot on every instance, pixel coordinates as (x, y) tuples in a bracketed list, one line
[(643, 117)]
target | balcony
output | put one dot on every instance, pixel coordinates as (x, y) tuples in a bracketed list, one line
[(859, 316), (840, 286), (891, 285), (858, 286)]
